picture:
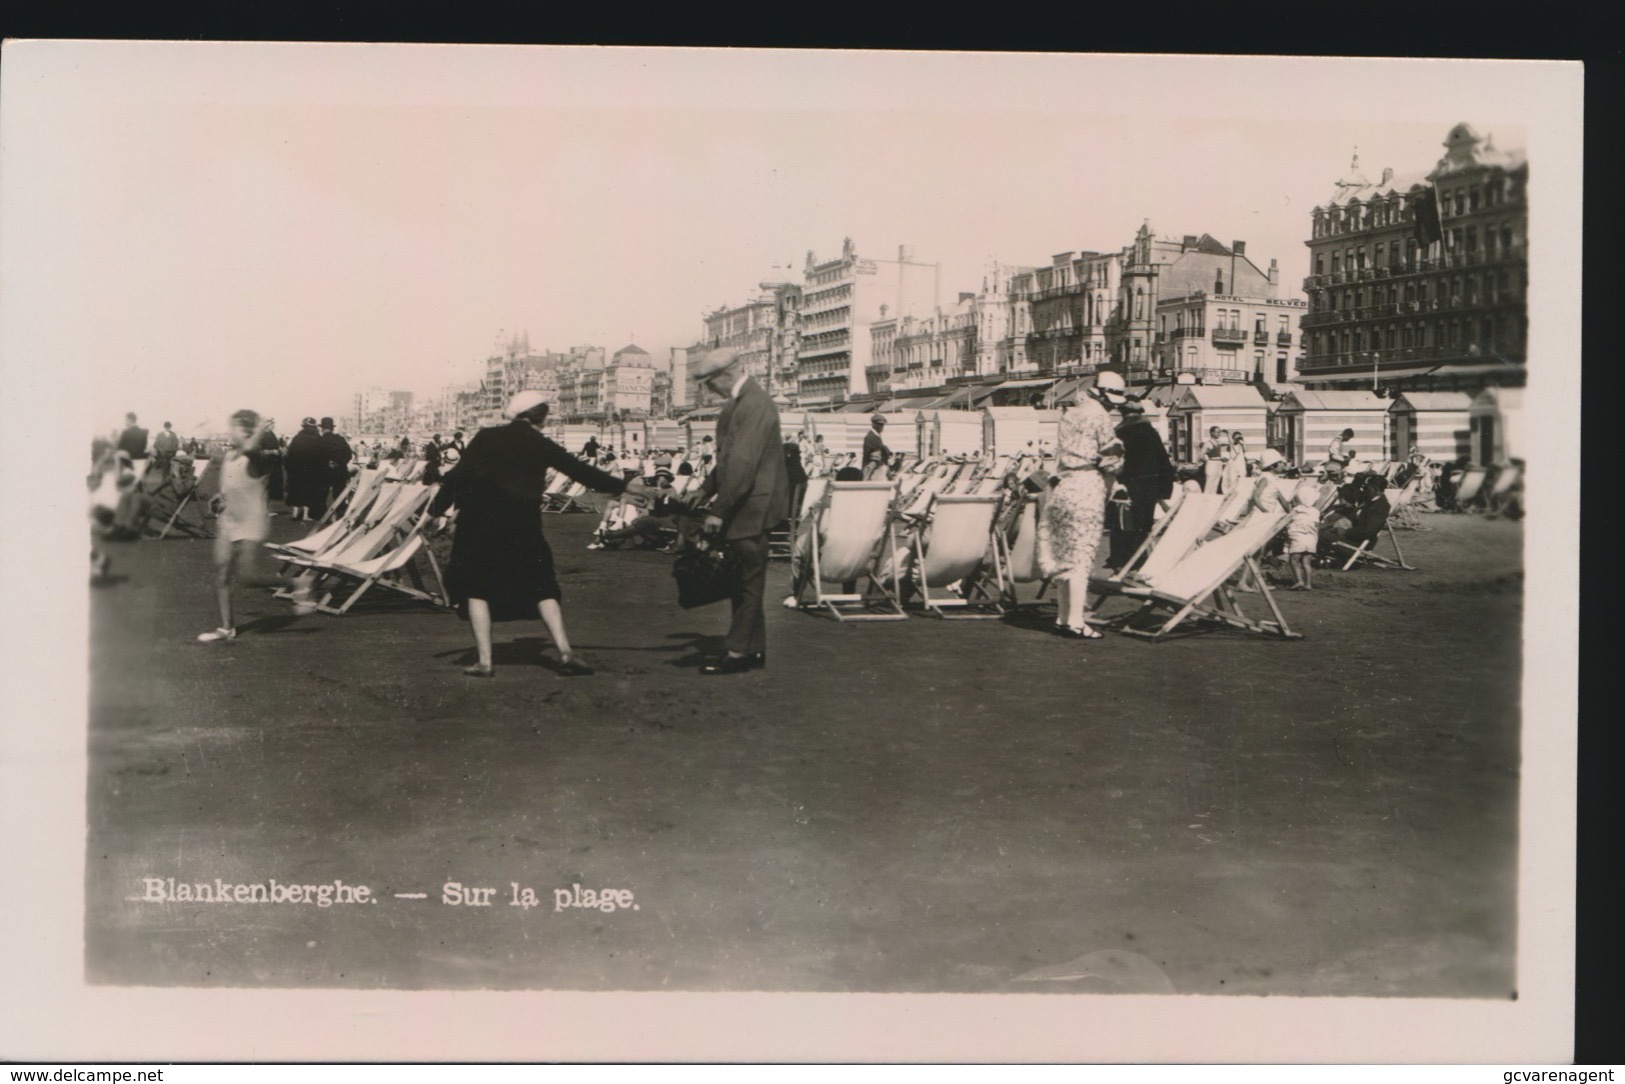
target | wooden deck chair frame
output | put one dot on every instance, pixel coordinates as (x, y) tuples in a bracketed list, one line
[(569, 500), (1176, 534), (978, 597), (1469, 488), (1198, 586), (370, 502), (386, 570), (1023, 518), (184, 500), (880, 602), (1365, 553), (377, 534)]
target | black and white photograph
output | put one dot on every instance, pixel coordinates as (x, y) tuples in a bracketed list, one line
[(829, 555)]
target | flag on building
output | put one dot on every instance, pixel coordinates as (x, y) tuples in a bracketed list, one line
[(1426, 210)]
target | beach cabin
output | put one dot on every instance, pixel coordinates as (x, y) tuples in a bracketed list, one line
[(1015, 430), (574, 437), (700, 425), (1234, 408), (948, 432), (1309, 421), (1436, 423), (844, 432), (668, 435), (1495, 423)]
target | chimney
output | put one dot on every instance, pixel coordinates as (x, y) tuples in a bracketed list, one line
[(1189, 242), (1239, 247), (1275, 280), (963, 297), (1387, 175)]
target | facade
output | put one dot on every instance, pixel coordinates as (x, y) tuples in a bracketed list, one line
[(1198, 306), (996, 345), (1065, 311), (840, 299), (928, 352), (1421, 282)]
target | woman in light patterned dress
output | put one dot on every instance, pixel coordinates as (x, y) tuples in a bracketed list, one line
[(1088, 455)]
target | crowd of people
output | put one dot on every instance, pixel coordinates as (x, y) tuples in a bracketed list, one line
[(1107, 478)]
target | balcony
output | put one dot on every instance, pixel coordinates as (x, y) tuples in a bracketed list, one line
[(1283, 338), (1229, 336), (1261, 338), (1188, 333), (1073, 290)]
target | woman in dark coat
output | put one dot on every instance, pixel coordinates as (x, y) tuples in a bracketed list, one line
[(501, 568), (1148, 475), (306, 466)]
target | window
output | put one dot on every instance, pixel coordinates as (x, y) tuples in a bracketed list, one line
[(1320, 264), (1337, 262)]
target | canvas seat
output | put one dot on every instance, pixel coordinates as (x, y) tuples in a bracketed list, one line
[(1196, 585), (955, 546), (840, 539)]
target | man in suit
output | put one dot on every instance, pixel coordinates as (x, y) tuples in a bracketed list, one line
[(876, 456), (749, 491), (133, 440)]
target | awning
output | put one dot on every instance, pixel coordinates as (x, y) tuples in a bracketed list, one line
[(1025, 384), (1470, 368)]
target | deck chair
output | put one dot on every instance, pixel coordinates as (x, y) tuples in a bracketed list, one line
[(572, 499), (182, 484), (1172, 537), (1195, 587), (1403, 502), (366, 536), (392, 568), (1507, 479), (955, 546), (838, 543), (356, 556), (1469, 488), (1366, 554), (369, 500)]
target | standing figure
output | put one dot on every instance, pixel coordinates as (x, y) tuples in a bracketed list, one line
[(501, 568), (1088, 455), (876, 456), (164, 447), (1338, 454), (431, 461), (337, 455), (244, 518), (306, 466), (133, 439), (1303, 534), (1148, 475), (750, 493), (1214, 454)]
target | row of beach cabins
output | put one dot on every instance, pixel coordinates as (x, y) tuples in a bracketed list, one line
[(1445, 426)]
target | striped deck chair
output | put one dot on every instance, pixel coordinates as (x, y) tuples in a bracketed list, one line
[(185, 478), (369, 534), (838, 543), (1508, 480), (369, 498), (1172, 537), (1404, 506), (1470, 487), (1195, 587), (393, 566), (954, 546), (572, 498)]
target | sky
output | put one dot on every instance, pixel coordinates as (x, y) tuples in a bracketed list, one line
[(193, 228)]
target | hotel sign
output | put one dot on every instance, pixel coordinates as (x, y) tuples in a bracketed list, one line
[(865, 267)]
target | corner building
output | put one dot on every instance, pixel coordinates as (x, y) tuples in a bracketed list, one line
[(1421, 282)]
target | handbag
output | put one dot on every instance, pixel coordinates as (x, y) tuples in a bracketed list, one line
[(705, 576)]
